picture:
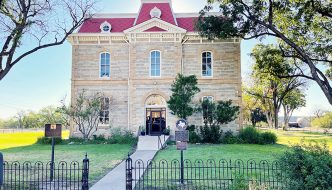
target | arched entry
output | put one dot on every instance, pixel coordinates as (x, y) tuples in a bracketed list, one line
[(155, 114)]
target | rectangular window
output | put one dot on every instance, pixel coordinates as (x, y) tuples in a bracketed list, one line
[(155, 63), (206, 64), (207, 109), (210, 98), (105, 62), (104, 114)]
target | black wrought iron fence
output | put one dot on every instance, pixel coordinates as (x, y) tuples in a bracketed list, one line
[(40, 176), (203, 175)]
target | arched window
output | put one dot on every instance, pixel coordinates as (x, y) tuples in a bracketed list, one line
[(155, 63), (105, 62), (207, 63)]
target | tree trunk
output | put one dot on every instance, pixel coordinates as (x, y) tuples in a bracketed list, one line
[(276, 110), (285, 118)]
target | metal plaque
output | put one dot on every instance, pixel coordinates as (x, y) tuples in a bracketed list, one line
[(181, 124), (53, 130), (182, 136), (181, 145)]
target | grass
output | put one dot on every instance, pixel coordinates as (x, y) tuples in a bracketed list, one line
[(228, 152), (103, 157), (11, 140), (246, 151), (290, 138)]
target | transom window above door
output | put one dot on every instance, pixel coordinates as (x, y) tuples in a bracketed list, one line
[(207, 64), (155, 63)]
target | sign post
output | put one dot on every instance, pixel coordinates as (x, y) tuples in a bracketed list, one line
[(181, 138), (52, 130)]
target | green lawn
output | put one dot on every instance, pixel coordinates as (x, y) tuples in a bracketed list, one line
[(217, 152), (10, 140), (292, 138), (245, 151), (103, 157)]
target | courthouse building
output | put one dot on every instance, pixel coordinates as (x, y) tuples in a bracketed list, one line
[(134, 58)]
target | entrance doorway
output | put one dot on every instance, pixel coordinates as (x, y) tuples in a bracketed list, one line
[(155, 120), (155, 114)]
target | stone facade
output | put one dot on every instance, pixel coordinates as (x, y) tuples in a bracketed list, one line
[(130, 83)]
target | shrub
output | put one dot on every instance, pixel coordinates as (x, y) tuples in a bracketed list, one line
[(307, 167), (268, 138), (121, 136), (229, 138), (250, 135), (47, 140), (210, 134), (194, 137), (76, 140)]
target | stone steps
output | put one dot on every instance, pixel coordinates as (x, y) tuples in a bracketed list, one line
[(151, 142)]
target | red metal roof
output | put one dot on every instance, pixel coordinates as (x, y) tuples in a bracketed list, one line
[(121, 24), (118, 24), (187, 23), (165, 8), (154, 29)]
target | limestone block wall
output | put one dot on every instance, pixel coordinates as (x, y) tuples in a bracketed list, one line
[(225, 83), (86, 63), (130, 83)]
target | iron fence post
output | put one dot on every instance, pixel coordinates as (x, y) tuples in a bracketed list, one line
[(1, 170), (85, 174), (129, 174)]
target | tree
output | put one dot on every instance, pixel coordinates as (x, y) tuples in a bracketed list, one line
[(183, 90), (324, 121), (84, 112), (318, 112), (269, 62), (43, 23), (302, 28), (52, 115), (292, 101), (257, 115), (221, 113)]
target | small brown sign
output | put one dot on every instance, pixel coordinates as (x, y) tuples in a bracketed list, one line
[(181, 145), (53, 130), (182, 136)]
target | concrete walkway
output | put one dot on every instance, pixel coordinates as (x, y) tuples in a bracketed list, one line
[(116, 179)]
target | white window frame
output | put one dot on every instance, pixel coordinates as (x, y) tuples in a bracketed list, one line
[(202, 63), (212, 98), (105, 24), (104, 110), (104, 77), (150, 67)]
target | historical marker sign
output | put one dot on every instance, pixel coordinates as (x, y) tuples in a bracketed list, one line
[(182, 136), (181, 145), (181, 124), (53, 130)]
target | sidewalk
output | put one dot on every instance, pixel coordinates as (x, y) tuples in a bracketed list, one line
[(116, 179)]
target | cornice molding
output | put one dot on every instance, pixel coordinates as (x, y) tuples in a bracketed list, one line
[(155, 22)]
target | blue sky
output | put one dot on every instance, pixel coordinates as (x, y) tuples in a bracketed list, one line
[(43, 78)]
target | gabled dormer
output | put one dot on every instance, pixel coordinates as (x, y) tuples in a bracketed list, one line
[(150, 7)]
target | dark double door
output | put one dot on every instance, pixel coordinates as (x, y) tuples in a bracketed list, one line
[(155, 120)]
